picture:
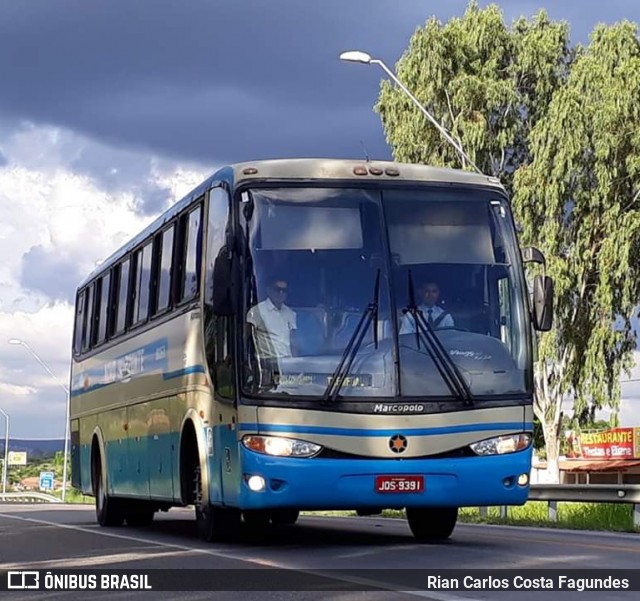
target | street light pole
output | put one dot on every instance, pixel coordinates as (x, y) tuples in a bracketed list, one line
[(356, 56), (66, 425), (6, 454)]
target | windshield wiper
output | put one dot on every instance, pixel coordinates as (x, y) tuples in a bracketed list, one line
[(370, 314), (445, 365)]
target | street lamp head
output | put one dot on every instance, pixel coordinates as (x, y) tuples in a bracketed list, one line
[(356, 56), (15, 341)]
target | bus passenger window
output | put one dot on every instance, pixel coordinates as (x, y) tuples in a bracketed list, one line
[(88, 322), (216, 234), (80, 310), (191, 273), (123, 290), (103, 310), (163, 287), (143, 278)]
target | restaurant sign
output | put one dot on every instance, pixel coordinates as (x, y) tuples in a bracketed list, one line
[(618, 443)]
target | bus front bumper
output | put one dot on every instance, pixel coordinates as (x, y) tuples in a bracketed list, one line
[(317, 484)]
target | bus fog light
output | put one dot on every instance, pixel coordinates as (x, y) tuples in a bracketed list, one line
[(523, 479), (502, 445), (256, 483)]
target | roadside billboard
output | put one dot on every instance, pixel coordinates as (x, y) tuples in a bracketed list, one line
[(618, 443), (17, 458)]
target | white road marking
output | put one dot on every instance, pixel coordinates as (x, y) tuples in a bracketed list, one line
[(435, 595), (94, 560)]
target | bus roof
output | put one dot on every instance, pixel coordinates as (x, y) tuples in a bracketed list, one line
[(304, 170), (320, 169)]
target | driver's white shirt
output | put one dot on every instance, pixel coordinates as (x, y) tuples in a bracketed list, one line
[(272, 329), (408, 326)]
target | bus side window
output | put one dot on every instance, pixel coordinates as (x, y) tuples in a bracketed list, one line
[(103, 307), (121, 294), (218, 329), (162, 270), (79, 325), (88, 321), (141, 286), (190, 281)]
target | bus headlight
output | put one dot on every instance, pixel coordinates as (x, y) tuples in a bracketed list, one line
[(501, 445), (281, 447)]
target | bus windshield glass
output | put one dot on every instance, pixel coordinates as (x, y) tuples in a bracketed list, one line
[(334, 280)]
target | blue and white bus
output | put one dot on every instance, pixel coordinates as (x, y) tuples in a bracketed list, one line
[(311, 334)]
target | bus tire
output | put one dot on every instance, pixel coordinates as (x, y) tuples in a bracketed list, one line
[(257, 519), (213, 523), (285, 517), (432, 523), (139, 514), (108, 509)]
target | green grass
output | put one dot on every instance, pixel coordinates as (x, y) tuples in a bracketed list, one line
[(73, 496), (611, 517), (578, 516)]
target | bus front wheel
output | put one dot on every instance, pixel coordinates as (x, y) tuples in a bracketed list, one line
[(213, 523), (285, 517), (432, 523), (257, 519)]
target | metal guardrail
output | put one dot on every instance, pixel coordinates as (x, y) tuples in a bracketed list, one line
[(28, 497), (587, 493), (581, 493)]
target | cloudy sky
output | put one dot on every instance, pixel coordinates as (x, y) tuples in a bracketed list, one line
[(110, 110)]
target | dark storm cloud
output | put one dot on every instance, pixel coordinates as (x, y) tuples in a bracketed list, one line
[(222, 81), (153, 200), (44, 272), (111, 169), (209, 81)]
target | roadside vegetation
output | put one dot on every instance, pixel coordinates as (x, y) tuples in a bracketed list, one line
[(579, 516), (17, 474), (610, 517)]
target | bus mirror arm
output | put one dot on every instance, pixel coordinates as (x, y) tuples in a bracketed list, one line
[(542, 303), (222, 300)]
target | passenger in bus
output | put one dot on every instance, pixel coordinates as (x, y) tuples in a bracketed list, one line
[(435, 315), (272, 323)]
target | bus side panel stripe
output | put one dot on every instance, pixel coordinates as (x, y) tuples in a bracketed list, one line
[(194, 369)]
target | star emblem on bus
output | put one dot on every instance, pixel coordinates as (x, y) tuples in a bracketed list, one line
[(398, 443)]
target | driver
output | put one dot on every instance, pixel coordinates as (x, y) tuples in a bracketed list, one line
[(436, 316), (272, 323)]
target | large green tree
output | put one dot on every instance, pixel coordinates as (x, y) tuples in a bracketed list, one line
[(486, 83), (561, 127), (578, 200)]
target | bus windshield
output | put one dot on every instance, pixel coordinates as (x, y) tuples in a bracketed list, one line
[(380, 293)]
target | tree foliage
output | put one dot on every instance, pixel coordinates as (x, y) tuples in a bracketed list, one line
[(560, 126), (487, 84)]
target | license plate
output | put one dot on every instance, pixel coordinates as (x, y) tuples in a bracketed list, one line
[(399, 484)]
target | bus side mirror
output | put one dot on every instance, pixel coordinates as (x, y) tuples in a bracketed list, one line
[(542, 303), (531, 254), (221, 301)]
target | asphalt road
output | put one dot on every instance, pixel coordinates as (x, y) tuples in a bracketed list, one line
[(53, 537)]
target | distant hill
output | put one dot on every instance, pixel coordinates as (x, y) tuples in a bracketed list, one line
[(35, 448)]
